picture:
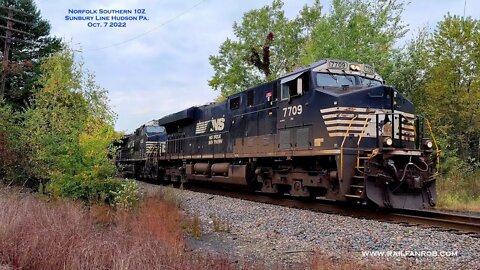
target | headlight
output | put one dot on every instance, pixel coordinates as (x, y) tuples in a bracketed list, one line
[(387, 129), (428, 144), (387, 141)]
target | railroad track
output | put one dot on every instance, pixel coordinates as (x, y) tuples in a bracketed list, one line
[(437, 220)]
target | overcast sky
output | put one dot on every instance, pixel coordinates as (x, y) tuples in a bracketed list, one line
[(160, 66)]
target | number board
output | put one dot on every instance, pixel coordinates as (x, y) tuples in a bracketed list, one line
[(368, 69), (337, 65)]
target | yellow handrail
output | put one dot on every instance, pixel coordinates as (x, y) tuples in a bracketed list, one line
[(363, 130), (341, 147), (435, 142), (360, 139)]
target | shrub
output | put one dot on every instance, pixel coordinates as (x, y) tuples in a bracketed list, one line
[(128, 196), (85, 190), (68, 129), (459, 190)]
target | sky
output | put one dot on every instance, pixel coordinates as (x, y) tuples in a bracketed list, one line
[(159, 66)]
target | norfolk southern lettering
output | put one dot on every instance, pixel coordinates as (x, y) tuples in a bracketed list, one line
[(99, 11), (84, 15)]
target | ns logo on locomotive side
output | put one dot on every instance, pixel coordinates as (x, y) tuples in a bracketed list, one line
[(332, 130)]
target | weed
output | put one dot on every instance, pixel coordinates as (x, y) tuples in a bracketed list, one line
[(193, 226), (128, 195), (459, 191), (219, 225), (170, 195)]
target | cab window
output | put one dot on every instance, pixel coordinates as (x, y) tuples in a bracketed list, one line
[(234, 103), (290, 89), (369, 82), (334, 80)]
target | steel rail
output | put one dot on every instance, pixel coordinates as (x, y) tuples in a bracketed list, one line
[(437, 220)]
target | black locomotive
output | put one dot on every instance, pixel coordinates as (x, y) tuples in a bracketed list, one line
[(137, 153), (332, 129)]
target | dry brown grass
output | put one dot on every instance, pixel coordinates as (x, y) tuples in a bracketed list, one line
[(323, 262), (35, 234)]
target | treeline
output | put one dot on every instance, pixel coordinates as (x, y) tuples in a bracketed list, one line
[(56, 127), (438, 70)]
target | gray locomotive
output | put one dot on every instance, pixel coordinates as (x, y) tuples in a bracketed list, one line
[(332, 130)]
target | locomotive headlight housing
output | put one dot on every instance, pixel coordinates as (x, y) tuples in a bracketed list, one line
[(427, 144), (354, 67), (387, 129), (387, 141)]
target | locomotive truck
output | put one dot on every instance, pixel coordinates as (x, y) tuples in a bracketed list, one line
[(332, 130)]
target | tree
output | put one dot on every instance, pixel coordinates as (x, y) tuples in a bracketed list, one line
[(452, 86), (26, 50), (69, 127), (363, 31), (410, 69), (12, 149), (268, 44)]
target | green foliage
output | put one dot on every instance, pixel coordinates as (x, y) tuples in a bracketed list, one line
[(363, 31), (440, 73), (459, 190), (92, 190), (68, 131), (24, 69), (267, 45), (452, 87), (12, 158), (409, 74), (53, 124), (128, 196)]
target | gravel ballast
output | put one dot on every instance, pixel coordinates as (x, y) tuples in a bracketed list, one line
[(248, 231)]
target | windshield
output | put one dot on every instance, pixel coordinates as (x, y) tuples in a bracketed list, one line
[(369, 82), (154, 129), (335, 80)]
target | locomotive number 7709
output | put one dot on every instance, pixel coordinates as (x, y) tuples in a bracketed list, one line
[(292, 110)]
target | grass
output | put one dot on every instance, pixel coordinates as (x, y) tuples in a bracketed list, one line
[(323, 262), (36, 234), (219, 225), (459, 191)]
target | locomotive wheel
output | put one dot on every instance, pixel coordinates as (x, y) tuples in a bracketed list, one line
[(268, 187), (298, 190)]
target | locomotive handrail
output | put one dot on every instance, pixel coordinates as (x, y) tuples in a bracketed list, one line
[(363, 129), (400, 125), (341, 146), (369, 117), (435, 142)]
